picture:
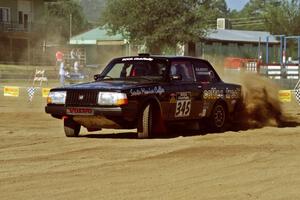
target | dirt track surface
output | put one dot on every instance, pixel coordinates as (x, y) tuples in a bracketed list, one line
[(38, 162)]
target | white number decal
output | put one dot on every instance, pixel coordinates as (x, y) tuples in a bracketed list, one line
[(183, 108)]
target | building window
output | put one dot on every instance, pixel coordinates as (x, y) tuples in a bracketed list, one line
[(26, 21), (4, 14), (20, 17), (225, 43)]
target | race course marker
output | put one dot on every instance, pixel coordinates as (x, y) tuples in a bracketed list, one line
[(45, 92), (10, 91), (285, 95)]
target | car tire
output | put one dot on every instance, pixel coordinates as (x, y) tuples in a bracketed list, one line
[(235, 116), (71, 128), (218, 118), (145, 126)]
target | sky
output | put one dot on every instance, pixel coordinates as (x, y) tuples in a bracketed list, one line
[(236, 4)]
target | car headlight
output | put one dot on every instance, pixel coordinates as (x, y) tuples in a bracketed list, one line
[(112, 99), (57, 97)]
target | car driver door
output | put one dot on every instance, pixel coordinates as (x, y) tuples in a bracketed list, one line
[(184, 94)]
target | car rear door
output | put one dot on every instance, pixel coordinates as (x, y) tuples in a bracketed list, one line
[(210, 84)]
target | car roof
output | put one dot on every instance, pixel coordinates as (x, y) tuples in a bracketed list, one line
[(168, 57)]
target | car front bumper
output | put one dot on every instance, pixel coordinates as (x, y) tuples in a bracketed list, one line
[(59, 110), (94, 118)]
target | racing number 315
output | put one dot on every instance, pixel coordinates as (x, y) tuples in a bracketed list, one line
[(183, 108)]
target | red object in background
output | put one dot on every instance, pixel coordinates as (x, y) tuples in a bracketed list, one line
[(234, 62), (238, 63), (59, 56)]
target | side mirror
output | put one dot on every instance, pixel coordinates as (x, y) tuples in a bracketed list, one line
[(97, 77), (176, 77)]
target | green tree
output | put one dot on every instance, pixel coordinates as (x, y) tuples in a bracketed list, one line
[(157, 23), (283, 18), (218, 8), (92, 9), (251, 17), (260, 14), (58, 16)]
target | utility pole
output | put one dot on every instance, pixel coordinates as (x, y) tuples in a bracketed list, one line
[(70, 25)]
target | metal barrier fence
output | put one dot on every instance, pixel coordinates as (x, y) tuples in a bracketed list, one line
[(286, 76), (274, 71)]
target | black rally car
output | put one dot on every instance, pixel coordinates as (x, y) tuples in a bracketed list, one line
[(148, 93)]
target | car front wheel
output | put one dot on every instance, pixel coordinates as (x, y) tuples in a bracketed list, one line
[(145, 124), (71, 128)]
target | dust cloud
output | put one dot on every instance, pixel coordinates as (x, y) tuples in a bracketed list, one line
[(261, 106)]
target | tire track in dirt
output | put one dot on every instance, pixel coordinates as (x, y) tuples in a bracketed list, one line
[(180, 166), (38, 162)]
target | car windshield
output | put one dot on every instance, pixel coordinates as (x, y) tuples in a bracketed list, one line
[(148, 69)]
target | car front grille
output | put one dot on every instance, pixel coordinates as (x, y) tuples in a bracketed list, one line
[(81, 98)]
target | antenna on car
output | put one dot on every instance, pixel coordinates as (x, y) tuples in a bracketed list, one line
[(144, 54)]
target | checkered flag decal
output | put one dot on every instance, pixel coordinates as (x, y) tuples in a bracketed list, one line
[(297, 91), (297, 94), (30, 91)]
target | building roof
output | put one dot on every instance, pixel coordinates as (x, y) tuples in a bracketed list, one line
[(240, 36), (98, 36)]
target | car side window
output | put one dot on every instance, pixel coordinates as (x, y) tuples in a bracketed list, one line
[(185, 69), (147, 69), (204, 72)]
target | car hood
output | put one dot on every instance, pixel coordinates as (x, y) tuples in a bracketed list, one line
[(110, 85)]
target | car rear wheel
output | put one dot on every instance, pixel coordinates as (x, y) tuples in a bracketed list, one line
[(218, 118), (71, 128)]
